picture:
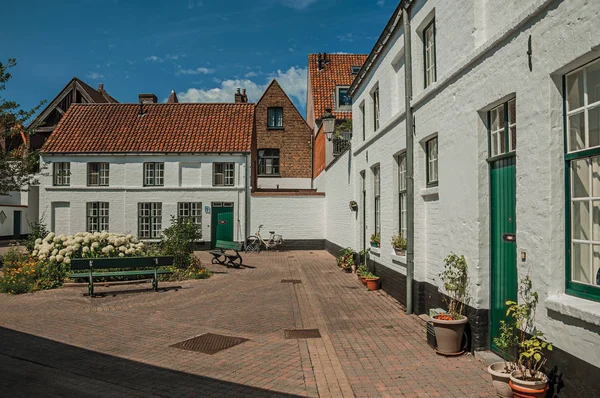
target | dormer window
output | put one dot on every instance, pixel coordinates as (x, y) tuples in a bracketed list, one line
[(355, 69), (343, 101)]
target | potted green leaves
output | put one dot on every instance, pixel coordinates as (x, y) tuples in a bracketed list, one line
[(372, 281), (399, 243), (346, 259), (362, 270), (500, 371), (449, 327), (375, 240)]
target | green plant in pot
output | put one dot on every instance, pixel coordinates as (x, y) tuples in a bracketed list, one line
[(500, 371), (362, 270), (399, 243), (375, 240), (372, 281), (346, 259), (449, 327)]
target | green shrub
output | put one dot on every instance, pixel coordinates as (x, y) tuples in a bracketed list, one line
[(13, 257), (178, 240), (38, 231), (19, 277)]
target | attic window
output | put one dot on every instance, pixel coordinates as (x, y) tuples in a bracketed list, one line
[(355, 69)]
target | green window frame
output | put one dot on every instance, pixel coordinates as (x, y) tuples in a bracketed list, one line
[(429, 54), (581, 112), (432, 161)]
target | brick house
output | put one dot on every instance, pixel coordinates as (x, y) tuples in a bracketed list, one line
[(282, 157)]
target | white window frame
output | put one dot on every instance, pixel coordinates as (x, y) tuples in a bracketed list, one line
[(192, 210), (149, 220), (97, 216), (429, 53), (61, 174), (402, 211), (224, 174), (154, 174), (377, 197), (432, 153), (338, 106), (98, 174), (376, 109)]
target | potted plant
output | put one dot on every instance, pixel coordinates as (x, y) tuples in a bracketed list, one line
[(349, 265), (346, 259), (399, 243), (362, 270), (372, 281), (353, 205), (375, 240), (449, 327), (500, 371)]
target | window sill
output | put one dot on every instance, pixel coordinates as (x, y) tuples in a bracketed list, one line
[(430, 191), (575, 307), (274, 128), (398, 259), (269, 176), (375, 250)]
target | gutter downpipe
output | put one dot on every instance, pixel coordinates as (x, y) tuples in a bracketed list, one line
[(248, 197), (410, 182)]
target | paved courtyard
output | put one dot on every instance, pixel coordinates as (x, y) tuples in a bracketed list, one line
[(62, 343)]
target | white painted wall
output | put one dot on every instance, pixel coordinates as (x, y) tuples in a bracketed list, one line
[(283, 183), (25, 202)]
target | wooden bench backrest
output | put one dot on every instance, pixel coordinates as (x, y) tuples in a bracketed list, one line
[(120, 262), (223, 244)]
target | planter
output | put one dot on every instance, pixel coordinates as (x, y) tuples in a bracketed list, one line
[(375, 244), (528, 389), (500, 379), (354, 267), (448, 335), (400, 252), (372, 283), (363, 280), (359, 277), (347, 269)]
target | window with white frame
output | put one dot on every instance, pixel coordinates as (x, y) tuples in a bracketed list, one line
[(401, 159), (223, 174), (432, 161), (268, 162), (149, 220), (377, 198), (154, 174), (98, 174), (363, 119), (62, 173), (275, 118), (343, 100), (193, 211), (97, 216), (582, 157), (429, 52), (376, 109), (503, 128)]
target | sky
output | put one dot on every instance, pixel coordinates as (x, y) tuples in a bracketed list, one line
[(203, 49)]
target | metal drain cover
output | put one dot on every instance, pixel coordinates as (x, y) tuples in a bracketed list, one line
[(291, 281), (302, 334), (209, 343)]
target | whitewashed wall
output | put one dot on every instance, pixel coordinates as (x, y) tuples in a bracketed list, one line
[(25, 202)]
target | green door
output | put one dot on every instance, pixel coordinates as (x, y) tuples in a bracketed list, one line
[(222, 223), (503, 241)]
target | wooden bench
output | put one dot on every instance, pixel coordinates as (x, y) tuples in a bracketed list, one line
[(89, 265), (227, 253)]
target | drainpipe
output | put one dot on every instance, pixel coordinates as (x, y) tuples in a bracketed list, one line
[(410, 182), (248, 197), (312, 160)]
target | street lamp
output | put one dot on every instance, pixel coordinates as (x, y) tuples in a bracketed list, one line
[(328, 124)]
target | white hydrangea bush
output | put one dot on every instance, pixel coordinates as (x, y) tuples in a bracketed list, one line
[(62, 248)]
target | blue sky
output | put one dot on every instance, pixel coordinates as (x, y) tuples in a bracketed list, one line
[(202, 49)]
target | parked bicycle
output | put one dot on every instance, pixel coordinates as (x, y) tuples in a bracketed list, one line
[(254, 243)]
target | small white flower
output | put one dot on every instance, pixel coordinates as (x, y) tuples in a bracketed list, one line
[(54, 252), (59, 258), (85, 249), (34, 253), (86, 240), (95, 245), (121, 255), (56, 239), (52, 258), (67, 260), (38, 241)]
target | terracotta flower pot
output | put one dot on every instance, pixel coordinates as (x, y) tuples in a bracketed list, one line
[(363, 280), (448, 335), (372, 283), (359, 277), (500, 379), (400, 252), (528, 389)]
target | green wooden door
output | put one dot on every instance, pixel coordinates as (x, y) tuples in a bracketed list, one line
[(222, 224), (503, 240)]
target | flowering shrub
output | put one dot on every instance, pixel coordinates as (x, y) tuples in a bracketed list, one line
[(61, 249), (19, 277)]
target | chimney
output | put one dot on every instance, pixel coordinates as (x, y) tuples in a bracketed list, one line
[(241, 97), (147, 98), (173, 98), (100, 87), (244, 96), (319, 62)]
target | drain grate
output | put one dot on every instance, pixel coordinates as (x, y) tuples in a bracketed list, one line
[(209, 343), (291, 281), (302, 334)]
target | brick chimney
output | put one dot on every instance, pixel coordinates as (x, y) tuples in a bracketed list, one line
[(147, 98), (241, 97), (173, 98)]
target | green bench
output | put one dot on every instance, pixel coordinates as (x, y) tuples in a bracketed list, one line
[(227, 253), (89, 265)]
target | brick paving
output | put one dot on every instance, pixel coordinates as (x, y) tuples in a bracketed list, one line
[(61, 343)]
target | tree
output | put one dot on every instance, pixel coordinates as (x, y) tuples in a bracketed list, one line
[(17, 165)]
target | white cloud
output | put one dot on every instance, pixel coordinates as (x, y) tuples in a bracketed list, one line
[(297, 4), (153, 58), (194, 4), (94, 76), (197, 71), (293, 81), (251, 74), (349, 37), (381, 3)]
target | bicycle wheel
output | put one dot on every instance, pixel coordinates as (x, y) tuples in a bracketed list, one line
[(252, 244)]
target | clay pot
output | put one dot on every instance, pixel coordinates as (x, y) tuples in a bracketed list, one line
[(528, 389), (372, 283), (363, 280), (448, 335), (500, 379), (400, 252)]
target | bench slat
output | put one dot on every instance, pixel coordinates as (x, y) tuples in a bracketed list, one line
[(120, 273), (223, 244), (121, 262)]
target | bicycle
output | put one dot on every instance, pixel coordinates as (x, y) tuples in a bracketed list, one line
[(255, 242)]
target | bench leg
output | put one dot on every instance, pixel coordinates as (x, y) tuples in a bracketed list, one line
[(155, 281), (91, 285)]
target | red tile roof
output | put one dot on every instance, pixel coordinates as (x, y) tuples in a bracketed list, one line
[(323, 82), (164, 128)]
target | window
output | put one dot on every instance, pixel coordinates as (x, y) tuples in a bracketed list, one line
[(275, 118), (402, 194), (268, 162), (429, 52), (97, 216), (98, 174), (343, 100), (149, 220), (62, 173), (432, 161), (362, 118), (502, 125), (582, 104), (154, 174), (355, 69), (192, 210), (377, 192), (376, 109), (223, 174)]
